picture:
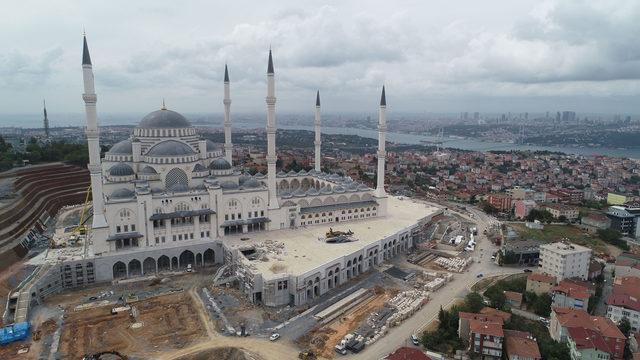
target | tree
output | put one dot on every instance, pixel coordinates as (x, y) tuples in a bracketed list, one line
[(474, 302), (542, 305), (488, 208), (625, 327), (613, 237)]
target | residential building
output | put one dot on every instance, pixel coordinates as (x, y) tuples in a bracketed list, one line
[(624, 301), (564, 319), (486, 339), (514, 299), (540, 283), (560, 210), (627, 264), (520, 345), (523, 208), (565, 260), (594, 222), (568, 294), (587, 344), (465, 319), (502, 202)]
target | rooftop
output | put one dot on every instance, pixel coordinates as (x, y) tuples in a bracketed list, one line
[(572, 289), (298, 251), (542, 277), (521, 344), (564, 248), (486, 328), (572, 318)]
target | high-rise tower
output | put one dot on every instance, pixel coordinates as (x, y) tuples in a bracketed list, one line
[(228, 146), (93, 137), (271, 135), (46, 119), (318, 141), (382, 154)]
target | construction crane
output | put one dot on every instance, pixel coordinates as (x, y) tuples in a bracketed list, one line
[(81, 229)]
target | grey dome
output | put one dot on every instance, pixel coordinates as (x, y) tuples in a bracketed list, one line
[(363, 187), (199, 168), (229, 185), (285, 194), (326, 190), (211, 146), (313, 191), (292, 173), (170, 148), (179, 187), (251, 184), (243, 178), (338, 189), (299, 193), (164, 119), (302, 172), (122, 148), (259, 175), (281, 174), (148, 170), (122, 194), (220, 164), (121, 169)]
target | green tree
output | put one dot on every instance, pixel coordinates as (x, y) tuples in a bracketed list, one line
[(474, 302)]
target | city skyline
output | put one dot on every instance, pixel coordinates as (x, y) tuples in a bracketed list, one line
[(432, 58)]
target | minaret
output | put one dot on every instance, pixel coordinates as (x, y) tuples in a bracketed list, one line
[(317, 141), (271, 135), (46, 119), (382, 154), (228, 147), (93, 134)]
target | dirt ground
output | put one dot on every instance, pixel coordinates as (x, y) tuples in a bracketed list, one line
[(322, 340), (227, 353), (169, 322)]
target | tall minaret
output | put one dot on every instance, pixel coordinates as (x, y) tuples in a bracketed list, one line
[(382, 154), (271, 135), (46, 119), (228, 147), (318, 140), (93, 134)]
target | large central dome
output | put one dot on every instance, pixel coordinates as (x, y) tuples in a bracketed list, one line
[(164, 119)]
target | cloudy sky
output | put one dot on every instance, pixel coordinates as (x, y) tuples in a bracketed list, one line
[(433, 56)]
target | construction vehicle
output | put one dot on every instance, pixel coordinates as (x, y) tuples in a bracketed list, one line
[(81, 229), (332, 234), (307, 355)]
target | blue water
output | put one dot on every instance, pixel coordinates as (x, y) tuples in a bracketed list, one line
[(250, 122)]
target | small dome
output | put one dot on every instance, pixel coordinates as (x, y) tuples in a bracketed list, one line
[(285, 195), (292, 173), (148, 170), (338, 189), (170, 148), (123, 194), (302, 172), (229, 185), (363, 187), (243, 178), (299, 193), (313, 192), (211, 146), (199, 168), (281, 174), (251, 184), (220, 164), (326, 190), (121, 169), (259, 175), (164, 119), (122, 148)]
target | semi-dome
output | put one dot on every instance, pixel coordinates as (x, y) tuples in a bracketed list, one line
[(312, 191), (122, 194), (220, 164), (148, 170), (170, 148), (326, 190), (243, 178), (251, 184), (229, 185), (122, 148), (121, 169), (199, 168), (179, 187), (164, 119)]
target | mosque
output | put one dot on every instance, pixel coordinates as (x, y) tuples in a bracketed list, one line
[(165, 200)]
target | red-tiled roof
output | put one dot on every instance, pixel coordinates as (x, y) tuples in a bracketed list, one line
[(486, 328), (626, 293), (571, 318), (521, 344), (541, 277), (407, 353), (495, 312), (513, 296), (588, 339), (572, 290), (480, 317)]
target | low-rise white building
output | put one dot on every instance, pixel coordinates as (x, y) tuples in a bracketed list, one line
[(565, 260)]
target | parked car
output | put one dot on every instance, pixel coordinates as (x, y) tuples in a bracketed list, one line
[(274, 337), (341, 349), (414, 340), (479, 276), (189, 268), (527, 270)]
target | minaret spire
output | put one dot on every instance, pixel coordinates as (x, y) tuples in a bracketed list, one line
[(46, 119), (271, 135), (93, 136), (318, 142), (228, 146), (382, 154)]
